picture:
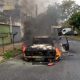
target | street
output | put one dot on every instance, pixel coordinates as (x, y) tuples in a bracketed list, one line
[(66, 69)]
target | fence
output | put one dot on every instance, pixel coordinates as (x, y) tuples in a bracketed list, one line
[(7, 38)]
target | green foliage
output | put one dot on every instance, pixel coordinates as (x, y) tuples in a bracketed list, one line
[(66, 24), (74, 20), (12, 53), (8, 54), (68, 7)]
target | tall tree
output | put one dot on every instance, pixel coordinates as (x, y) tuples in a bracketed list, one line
[(54, 13), (69, 7), (74, 20)]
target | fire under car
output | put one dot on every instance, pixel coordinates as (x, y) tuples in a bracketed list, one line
[(41, 49)]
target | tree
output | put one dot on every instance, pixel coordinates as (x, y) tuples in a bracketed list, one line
[(68, 7), (54, 13), (66, 24), (74, 20)]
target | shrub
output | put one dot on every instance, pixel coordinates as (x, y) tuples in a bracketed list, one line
[(12, 53)]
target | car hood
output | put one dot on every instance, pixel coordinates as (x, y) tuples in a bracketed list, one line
[(42, 46)]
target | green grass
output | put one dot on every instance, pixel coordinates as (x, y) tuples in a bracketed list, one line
[(12, 53), (76, 37), (8, 54)]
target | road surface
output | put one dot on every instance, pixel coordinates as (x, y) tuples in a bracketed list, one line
[(67, 69)]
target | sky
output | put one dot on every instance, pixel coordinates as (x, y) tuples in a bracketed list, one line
[(50, 1), (45, 3), (78, 1)]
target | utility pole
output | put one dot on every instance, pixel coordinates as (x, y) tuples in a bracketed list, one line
[(36, 10), (21, 26), (10, 24), (11, 32)]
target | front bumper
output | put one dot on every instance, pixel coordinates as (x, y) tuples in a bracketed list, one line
[(39, 57)]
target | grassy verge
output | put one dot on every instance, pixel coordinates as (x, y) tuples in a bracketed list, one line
[(74, 37), (11, 53)]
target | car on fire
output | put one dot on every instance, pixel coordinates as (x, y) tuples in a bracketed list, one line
[(42, 48)]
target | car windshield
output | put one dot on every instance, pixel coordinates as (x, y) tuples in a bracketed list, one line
[(42, 41)]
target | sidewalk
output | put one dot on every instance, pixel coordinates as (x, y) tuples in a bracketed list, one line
[(9, 47)]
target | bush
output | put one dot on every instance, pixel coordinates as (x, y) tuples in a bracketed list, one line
[(12, 53), (8, 54)]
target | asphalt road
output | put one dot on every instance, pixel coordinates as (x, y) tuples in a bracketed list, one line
[(67, 69)]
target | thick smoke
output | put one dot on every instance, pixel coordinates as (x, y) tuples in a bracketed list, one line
[(36, 24)]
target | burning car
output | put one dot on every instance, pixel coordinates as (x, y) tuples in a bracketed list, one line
[(42, 48)]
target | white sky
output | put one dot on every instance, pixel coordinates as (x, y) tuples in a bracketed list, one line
[(44, 3), (77, 1)]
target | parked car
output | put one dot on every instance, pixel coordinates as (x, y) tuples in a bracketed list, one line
[(69, 31), (66, 30), (42, 48)]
